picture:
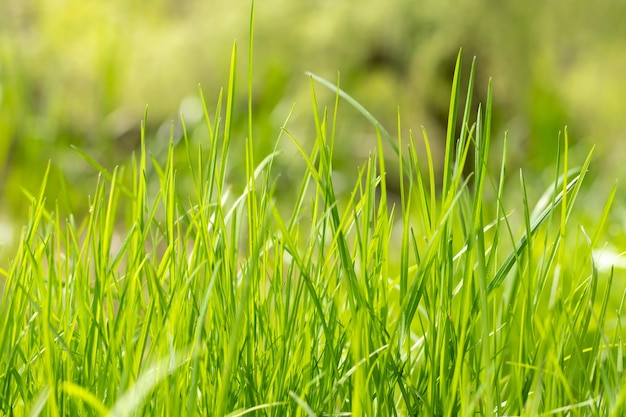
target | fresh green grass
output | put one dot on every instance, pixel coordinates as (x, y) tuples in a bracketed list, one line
[(188, 298)]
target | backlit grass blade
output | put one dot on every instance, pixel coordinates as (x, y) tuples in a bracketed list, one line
[(540, 218), (358, 107)]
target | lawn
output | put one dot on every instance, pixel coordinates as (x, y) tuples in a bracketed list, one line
[(205, 278)]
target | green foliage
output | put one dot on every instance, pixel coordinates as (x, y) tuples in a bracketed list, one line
[(184, 296), (81, 73)]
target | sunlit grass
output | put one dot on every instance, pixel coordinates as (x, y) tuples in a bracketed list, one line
[(450, 302)]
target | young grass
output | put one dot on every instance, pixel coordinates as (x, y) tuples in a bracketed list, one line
[(165, 303)]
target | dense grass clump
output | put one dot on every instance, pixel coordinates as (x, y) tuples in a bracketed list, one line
[(211, 302)]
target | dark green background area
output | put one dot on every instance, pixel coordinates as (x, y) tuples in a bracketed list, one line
[(81, 73)]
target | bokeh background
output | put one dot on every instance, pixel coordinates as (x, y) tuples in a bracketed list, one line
[(81, 73)]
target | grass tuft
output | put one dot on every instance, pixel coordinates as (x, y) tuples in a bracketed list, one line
[(458, 299)]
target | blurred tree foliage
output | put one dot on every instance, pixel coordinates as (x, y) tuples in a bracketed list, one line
[(81, 73)]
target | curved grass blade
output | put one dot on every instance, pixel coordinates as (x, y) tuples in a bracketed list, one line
[(572, 187)]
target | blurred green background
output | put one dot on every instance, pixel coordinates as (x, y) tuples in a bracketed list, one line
[(81, 73)]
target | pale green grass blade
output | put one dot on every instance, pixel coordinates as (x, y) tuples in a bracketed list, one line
[(307, 408), (358, 107), (254, 409), (88, 397), (130, 401), (540, 218)]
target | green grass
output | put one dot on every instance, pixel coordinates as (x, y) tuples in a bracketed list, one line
[(184, 296)]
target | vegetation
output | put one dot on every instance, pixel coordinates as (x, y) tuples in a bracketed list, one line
[(155, 304), (201, 281), (81, 74)]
